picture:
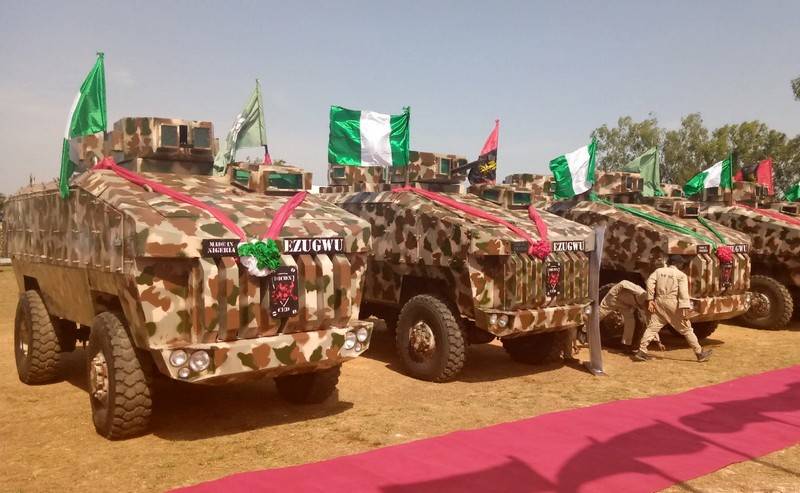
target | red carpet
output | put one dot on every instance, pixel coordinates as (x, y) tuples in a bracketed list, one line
[(631, 446)]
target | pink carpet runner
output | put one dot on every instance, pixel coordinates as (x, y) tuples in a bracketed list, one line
[(631, 446)]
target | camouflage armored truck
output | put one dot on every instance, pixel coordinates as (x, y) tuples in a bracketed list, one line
[(448, 278), (775, 232), (155, 287), (634, 247)]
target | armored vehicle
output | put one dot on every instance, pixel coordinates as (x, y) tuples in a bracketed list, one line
[(153, 283), (775, 232), (446, 277), (635, 246)]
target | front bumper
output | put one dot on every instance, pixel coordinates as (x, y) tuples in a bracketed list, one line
[(535, 320), (260, 357), (719, 307)]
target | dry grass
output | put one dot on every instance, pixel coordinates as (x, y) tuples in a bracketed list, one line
[(47, 442)]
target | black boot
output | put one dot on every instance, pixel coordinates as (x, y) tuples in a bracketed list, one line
[(704, 356), (641, 356)]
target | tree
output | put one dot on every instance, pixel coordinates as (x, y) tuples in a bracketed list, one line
[(692, 147), (619, 145), (796, 88)]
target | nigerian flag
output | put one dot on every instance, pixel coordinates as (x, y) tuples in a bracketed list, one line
[(86, 116), (647, 166), (792, 194), (574, 172), (719, 175), (367, 138)]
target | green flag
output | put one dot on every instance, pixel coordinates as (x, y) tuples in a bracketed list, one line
[(87, 116), (247, 131), (647, 166), (720, 175), (792, 194), (574, 172), (367, 138)]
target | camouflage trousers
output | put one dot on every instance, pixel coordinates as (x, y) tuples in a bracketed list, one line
[(667, 312), (625, 298)]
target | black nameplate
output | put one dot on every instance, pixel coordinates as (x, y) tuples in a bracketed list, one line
[(313, 245), (703, 248), (220, 248), (283, 299), (568, 246), (519, 246), (739, 248)]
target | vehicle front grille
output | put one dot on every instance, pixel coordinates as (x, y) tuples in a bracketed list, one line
[(705, 276), (524, 280)]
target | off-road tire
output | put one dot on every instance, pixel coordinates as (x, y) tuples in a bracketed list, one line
[(781, 304), (450, 342), (703, 330), (34, 328), (128, 407), (308, 388), (535, 349)]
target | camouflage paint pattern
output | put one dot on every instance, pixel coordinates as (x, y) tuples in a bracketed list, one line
[(484, 265), (775, 243), (115, 245), (634, 247)]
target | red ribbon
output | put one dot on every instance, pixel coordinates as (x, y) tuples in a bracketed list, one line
[(272, 232), (773, 214), (542, 247), (472, 211)]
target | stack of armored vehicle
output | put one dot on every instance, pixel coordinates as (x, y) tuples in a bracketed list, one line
[(155, 286)]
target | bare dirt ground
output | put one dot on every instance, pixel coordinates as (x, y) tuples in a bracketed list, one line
[(47, 442)]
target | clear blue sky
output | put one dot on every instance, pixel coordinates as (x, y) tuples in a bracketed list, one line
[(551, 72)]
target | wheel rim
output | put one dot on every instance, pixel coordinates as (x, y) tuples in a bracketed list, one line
[(421, 341), (98, 378), (760, 305)]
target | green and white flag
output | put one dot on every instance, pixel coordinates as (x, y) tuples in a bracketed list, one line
[(87, 116), (647, 166), (367, 138), (719, 175), (247, 131), (792, 194), (574, 172)]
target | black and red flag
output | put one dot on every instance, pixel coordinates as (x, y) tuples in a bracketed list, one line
[(760, 173), (484, 170)]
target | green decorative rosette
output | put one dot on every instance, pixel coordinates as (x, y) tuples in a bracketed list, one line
[(261, 257)]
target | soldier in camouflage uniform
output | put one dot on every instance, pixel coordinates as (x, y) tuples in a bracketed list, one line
[(154, 283), (450, 278), (669, 303)]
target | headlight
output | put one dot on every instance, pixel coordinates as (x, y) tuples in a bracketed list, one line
[(178, 357), (493, 319), (359, 347), (502, 321), (349, 340), (362, 334), (183, 373), (199, 361), (587, 310)]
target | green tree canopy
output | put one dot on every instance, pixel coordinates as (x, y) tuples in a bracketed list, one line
[(693, 147)]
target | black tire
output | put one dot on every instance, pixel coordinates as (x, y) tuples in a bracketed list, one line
[(702, 330), (781, 304), (446, 359), (122, 404), (308, 388), (36, 346), (535, 349)]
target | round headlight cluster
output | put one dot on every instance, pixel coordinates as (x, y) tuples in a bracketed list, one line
[(362, 334), (493, 319), (349, 340), (178, 357), (199, 361), (502, 321), (587, 310)]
